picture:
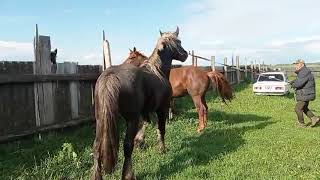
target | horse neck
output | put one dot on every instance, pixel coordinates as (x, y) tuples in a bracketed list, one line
[(141, 59), (158, 61)]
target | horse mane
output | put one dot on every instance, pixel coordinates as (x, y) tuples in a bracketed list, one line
[(135, 54), (153, 64)]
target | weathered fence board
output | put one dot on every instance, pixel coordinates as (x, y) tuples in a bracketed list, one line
[(16, 108), (71, 68), (17, 100), (43, 92), (86, 91)]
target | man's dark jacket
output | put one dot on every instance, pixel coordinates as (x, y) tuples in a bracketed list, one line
[(305, 85)]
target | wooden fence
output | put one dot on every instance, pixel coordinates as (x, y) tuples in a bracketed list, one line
[(37, 96), (32, 103), (234, 72)]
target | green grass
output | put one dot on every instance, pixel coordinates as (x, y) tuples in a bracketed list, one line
[(254, 137)]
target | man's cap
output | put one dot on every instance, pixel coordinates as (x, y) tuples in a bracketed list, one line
[(299, 61)]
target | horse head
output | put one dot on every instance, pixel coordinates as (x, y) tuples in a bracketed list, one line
[(169, 46), (135, 57), (53, 56)]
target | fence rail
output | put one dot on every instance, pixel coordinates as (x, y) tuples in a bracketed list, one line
[(31, 78), (234, 73)]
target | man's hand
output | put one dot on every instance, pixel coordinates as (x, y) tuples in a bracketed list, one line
[(292, 83)]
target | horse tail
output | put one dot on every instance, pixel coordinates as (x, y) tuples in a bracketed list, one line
[(106, 144), (221, 85)]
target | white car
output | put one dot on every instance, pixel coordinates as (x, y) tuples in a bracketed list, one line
[(272, 83)]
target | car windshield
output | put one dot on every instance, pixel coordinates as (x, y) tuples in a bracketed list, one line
[(271, 77)]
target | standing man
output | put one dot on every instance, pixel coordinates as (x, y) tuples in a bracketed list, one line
[(305, 92)]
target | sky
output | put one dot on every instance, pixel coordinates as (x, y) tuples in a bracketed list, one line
[(273, 31)]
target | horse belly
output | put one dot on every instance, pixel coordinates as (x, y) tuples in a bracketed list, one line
[(157, 99), (178, 90)]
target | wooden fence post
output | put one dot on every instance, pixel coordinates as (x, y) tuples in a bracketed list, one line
[(35, 85), (43, 92), (196, 61), (232, 74), (106, 53), (246, 69), (238, 69), (213, 63), (192, 54), (252, 71), (225, 68), (232, 61)]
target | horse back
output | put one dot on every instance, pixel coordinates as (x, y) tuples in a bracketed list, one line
[(188, 79), (140, 90)]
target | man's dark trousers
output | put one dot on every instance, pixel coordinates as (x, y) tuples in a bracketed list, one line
[(302, 107)]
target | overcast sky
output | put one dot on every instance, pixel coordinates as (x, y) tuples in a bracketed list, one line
[(272, 31)]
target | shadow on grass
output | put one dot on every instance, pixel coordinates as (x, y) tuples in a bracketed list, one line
[(210, 145), (27, 154), (226, 118), (30, 156)]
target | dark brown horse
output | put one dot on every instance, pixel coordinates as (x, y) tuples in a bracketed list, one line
[(193, 81), (133, 92)]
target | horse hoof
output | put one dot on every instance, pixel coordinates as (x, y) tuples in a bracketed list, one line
[(162, 149), (200, 130), (141, 145), (129, 177)]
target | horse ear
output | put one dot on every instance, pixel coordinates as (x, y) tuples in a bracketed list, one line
[(161, 33), (177, 31), (134, 49), (130, 50), (56, 50)]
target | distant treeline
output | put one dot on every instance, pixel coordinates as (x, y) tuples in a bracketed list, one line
[(289, 68)]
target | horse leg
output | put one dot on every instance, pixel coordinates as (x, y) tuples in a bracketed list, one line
[(198, 104), (132, 129), (170, 113), (171, 109), (162, 115), (205, 110), (139, 139)]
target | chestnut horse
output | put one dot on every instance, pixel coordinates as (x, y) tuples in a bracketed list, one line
[(193, 81), (132, 92)]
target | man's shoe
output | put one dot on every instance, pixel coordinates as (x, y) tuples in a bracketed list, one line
[(314, 121), (302, 125)]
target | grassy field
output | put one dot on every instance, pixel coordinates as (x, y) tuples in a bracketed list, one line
[(254, 137)]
